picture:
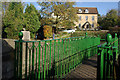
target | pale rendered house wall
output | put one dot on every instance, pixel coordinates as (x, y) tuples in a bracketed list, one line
[(83, 20)]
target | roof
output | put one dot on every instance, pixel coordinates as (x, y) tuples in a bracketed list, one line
[(91, 10)]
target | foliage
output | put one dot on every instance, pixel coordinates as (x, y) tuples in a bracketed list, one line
[(58, 14), (114, 30), (78, 29), (47, 31), (13, 19), (119, 20), (90, 33), (110, 20), (32, 22)]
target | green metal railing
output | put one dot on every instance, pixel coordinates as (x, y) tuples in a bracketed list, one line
[(52, 58), (107, 57)]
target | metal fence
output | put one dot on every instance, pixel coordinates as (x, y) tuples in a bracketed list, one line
[(107, 57), (52, 58)]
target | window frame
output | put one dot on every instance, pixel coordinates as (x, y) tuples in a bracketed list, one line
[(80, 18), (93, 18), (86, 18), (80, 10), (92, 25), (79, 25), (86, 11)]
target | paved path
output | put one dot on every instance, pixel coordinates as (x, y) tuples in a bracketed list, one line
[(86, 70)]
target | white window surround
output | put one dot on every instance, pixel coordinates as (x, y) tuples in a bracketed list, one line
[(86, 11), (86, 17), (80, 10)]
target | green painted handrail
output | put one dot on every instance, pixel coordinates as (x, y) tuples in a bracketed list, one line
[(52, 58), (107, 56)]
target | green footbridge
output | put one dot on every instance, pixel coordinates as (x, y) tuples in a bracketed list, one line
[(67, 58)]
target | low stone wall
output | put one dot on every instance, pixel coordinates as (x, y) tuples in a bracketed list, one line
[(8, 47)]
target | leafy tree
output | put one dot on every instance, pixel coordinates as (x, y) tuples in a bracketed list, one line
[(110, 20), (58, 14), (118, 20), (47, 31), (45, 12), (66, 14), (13, 19), (100, 20), (32, 22)]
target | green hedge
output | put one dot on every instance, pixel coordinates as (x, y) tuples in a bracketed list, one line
[(102, 34), (114, 30)]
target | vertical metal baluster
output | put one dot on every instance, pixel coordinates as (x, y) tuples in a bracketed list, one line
[(26, 61), (20, 60), (63, 58), (17, 72), (36, 62), (18, 49), (47, 49), (102, 63), (54, 58), (69, 54), (58, 71), (50, 58), (74, 53), (42, 71), (62, 48), (67, 60), (78, 52), (33, 60), (45, 62), (29, 64), (15, 60), (60, 56), (39, 60)]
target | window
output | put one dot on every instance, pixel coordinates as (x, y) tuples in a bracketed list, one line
[(86, 17), (79, 25), (86, 11), (80, 17), (92, 24), (93, 18), (80, 10)]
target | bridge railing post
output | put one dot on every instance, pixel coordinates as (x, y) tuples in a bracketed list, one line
[(104, 51), (115, 53), (18, 58), (107, 56), (20, 40)]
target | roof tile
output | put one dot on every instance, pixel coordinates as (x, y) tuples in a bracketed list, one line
[(92, 10)]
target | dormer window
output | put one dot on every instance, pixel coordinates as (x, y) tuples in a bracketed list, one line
[(86, 11), (80, 10)]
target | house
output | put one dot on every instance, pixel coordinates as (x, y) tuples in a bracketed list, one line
[(87, 18)]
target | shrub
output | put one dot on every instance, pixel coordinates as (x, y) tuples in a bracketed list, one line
[(102, 34), (63, 33), (114, 30), (47, 31)]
